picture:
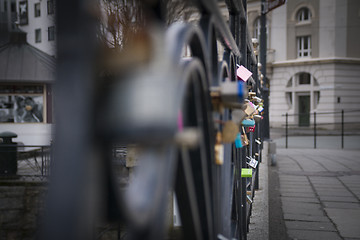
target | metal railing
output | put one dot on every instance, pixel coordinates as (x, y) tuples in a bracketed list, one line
[(25, 162), (342, 124), (164, 107)]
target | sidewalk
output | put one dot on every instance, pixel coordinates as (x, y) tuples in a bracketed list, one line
[(319, 192)]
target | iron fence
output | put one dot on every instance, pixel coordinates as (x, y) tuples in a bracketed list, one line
[(160, 101), (25, 162), (336, 123)]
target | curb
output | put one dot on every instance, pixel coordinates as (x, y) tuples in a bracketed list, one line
[(259, 220)]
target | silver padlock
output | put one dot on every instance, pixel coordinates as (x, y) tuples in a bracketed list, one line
[(232, 93)]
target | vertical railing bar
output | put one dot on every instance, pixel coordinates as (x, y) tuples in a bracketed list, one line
[(286, 130), (42, 161), (315, 130), (342, 129)]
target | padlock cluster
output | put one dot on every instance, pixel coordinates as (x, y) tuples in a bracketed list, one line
[(246, 110)]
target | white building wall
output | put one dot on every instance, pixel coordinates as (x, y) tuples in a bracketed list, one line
[(29, 133), (340, 27), (327, 13), (278, 33), (34, 133), (337, 75), (323, 72), (43, 22), (347, 88)]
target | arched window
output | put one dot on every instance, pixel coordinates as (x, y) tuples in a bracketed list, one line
[(302, 90), (304, 78), (256, 33), (303, 15), (256, 30)]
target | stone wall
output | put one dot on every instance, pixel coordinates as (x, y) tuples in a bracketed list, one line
[(20, 206)]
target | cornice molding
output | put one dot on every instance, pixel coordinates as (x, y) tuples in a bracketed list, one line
[(311, 61)]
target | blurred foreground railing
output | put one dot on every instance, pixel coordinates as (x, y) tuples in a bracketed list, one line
[(177, 109)]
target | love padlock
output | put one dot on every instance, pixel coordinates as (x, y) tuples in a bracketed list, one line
[(251, 129), (229, 132), (244, 138), (253, 162), (248, 123), (246, 172), (238, 142), (232, 93), (243, 73), (257, 118), (250, 108), (238, 115), (219, 150)]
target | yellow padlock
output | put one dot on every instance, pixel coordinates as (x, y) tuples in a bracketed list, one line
[(219, 150)]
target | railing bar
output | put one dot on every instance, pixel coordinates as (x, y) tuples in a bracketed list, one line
[(315, 130), (342, 129)]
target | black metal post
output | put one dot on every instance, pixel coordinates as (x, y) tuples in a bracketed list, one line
[(263, 49), (243, 196), (314, 129), (342, 129), (286, 130), (42, 161)]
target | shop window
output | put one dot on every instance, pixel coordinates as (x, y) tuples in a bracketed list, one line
[(21, 103)]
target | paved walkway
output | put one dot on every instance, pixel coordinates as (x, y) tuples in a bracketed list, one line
[(319, 192)]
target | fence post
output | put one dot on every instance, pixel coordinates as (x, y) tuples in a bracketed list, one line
[(286, 130), (42, 161), (342, 129), (315, 130)]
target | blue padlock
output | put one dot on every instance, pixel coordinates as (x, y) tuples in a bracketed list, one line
[(238, 143), (248, 123), (240, 90)]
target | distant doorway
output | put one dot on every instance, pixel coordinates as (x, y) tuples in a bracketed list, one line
[(304, 111)]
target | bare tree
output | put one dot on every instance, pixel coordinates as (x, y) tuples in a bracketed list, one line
[(120, 19)]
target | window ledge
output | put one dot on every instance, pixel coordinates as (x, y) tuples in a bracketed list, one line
[(303, 23)]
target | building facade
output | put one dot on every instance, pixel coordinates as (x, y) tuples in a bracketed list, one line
[(37, 19), (27, 69), (313, 60)]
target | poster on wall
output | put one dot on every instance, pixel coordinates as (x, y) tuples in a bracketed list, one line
[(21, 109)]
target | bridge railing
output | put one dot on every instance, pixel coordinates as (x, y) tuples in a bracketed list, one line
[(171, 107)]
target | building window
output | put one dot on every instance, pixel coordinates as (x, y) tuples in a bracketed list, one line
[(304, 78), (37, 9), (288, 96), (256, 33), (21, 103), (23, 12), (38, 35), (304, 15), (50, 7), (51, 33), (304, 46), (302, 97), (289, 83)]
